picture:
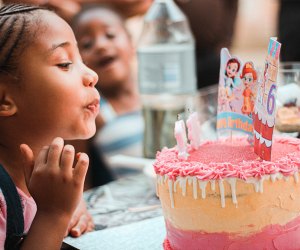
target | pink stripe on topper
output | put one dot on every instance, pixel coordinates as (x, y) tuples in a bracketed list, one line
[(278, 50)]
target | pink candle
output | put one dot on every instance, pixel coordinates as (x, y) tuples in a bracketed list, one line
[(194, 130), (180, 135)]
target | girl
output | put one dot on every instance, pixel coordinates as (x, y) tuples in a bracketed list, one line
[(106, 47), (47, 95)]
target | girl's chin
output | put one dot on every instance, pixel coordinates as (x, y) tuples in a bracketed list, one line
[(86, 134)]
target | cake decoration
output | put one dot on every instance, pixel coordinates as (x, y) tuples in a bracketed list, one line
[(236, 95), (265, 105)]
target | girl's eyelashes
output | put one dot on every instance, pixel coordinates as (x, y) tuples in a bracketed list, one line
[(65, 65)]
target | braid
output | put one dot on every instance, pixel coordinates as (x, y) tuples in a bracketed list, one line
[(14, 19), (11, 9)]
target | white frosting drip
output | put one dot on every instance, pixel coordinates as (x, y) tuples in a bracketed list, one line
[(232, 182), (170, 184), (182, 184), (222, 193), (202, 186), (296, 177), (254, 182), (182, 181), (195, 188)]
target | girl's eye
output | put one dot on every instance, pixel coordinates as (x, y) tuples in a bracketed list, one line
[(65, 65), (110, 34), (86, 45)]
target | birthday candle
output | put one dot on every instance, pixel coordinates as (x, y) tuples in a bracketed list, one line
[(180, 135), (194, 130)]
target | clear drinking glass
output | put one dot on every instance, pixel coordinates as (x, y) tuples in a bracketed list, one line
[(288, 97), (205, 104)]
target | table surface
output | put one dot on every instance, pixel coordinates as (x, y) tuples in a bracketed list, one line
[(148, 234), (127, 215)]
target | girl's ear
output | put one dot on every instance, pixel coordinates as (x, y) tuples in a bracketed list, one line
[(7, 103)]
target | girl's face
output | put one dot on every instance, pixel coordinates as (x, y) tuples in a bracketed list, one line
[(56, 95), (248, 79), (231, 69), (105, 46)]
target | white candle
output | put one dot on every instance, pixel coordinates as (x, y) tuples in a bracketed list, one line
[(180, 135), (194, 130)]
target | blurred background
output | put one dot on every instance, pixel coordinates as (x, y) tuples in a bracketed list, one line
[(257, 21)]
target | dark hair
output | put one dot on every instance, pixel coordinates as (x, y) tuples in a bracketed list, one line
[(15, 21), (97, 6), (233, 60)]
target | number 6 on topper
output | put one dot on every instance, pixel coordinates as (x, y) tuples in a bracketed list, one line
[(271, 100)]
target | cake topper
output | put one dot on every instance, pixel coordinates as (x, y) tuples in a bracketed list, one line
[(236, 95), (264, 110)]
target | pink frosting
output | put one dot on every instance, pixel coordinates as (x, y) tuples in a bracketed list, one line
[(273, 237), (223, 158)]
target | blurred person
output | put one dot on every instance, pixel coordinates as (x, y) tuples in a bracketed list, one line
[(67, 9), (106, 47), (48, 95)]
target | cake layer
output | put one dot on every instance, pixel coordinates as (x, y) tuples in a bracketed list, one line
[(248, 206), (273, 237)]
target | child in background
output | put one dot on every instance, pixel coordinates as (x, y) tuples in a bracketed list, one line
[(106, 47), (47, 95)]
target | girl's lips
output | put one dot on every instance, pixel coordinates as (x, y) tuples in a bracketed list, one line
[(106, 61), (94, 107)]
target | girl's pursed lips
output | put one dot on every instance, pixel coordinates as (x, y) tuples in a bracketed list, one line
[(94, 106)]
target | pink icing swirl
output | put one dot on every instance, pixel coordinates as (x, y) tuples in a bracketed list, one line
[(223, 159)]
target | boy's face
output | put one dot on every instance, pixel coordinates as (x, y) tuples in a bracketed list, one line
[(56, 95), (105, 47)]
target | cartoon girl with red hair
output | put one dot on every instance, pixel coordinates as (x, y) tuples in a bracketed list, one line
[(249, 77)]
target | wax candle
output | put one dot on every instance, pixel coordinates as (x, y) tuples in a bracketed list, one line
[(194, 130), (180, 135)]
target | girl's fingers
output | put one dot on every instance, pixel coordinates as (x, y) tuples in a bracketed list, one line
[(41, 159), (81, 168), (67, 158), (80, 227), (54, 153)]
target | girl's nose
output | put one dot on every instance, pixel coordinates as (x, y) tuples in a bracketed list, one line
[(101, 42), (90, 77)]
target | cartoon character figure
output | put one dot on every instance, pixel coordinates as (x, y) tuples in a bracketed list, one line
[(222, 100), (249, 78), (231, 70)]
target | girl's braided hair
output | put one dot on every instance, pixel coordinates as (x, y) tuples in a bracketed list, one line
[(15, 34)]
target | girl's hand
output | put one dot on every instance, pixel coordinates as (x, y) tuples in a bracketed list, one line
[(81, 221), (51, 179)]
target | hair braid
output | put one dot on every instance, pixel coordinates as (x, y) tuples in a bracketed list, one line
[(14, 19), (11, 9)]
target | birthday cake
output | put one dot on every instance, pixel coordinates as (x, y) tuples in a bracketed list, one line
[(224, 197)]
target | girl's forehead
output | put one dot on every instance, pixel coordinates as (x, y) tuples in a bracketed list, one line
[(52, 30), (54, 26), (104, 16)]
